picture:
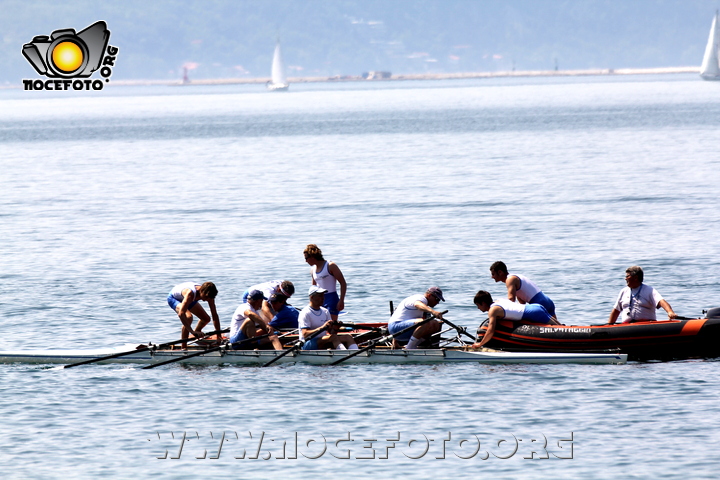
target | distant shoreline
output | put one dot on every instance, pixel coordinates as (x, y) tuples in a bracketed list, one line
[(427, 76), (418, 76)]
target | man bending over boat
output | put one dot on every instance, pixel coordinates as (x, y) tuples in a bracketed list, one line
[(283, 287), (637, 302), (184, 298), (317, 328), (326, 275), (410, 312), (507, 310), (520, 288), (248, 323)]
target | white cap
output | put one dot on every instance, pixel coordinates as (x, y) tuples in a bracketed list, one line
[(315, 289)]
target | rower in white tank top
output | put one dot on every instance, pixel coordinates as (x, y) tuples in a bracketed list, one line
[(327, 275), (324, 278), (527, 290), (513, 310), (177, 290), (521, 288)]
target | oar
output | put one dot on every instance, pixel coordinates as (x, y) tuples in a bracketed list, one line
[(202, 352), (462, 330), (298, 344), (384, 339), (359, 327), (446, 340), (142, 348)]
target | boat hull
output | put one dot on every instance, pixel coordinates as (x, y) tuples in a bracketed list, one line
[(277, 87), (661, 340), (314, 357)]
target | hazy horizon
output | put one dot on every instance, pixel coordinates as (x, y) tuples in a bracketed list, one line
[(228, 39)]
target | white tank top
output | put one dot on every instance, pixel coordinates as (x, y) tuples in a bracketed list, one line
[(513, 310), (178, 289), (324, 279), (527, 289), (268, 288)]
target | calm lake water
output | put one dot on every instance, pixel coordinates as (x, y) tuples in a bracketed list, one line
[(110, 199)]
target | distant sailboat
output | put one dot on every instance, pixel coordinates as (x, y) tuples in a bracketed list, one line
[(279, 81), (710, 69)]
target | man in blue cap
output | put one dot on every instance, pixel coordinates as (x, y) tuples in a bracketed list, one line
[(248, 322), (410, 312)]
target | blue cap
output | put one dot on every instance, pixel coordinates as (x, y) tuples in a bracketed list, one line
[(255, 295)]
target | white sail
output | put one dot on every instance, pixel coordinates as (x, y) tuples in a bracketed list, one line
[(710, 69), (278, 69)]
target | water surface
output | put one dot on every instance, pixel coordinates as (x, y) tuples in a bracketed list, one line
[(109, 200)]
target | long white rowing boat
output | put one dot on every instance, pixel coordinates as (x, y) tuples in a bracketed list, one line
[(315, 357)]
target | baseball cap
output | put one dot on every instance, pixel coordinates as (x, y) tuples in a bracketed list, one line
[(277, 297), (255, 295), (436, 292), (315, 289)]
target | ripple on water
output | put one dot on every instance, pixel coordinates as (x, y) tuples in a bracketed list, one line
[(404, 187)]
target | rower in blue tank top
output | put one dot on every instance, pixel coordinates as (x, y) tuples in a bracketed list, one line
[(521, 289), (326, 275)]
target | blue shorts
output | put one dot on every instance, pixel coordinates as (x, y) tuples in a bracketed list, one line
[(173, 302), (312, 344), (536, 314), (239, 337), (541, 299), (395, 327), (331, 301)]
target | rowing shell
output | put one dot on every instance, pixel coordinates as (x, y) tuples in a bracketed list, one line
[(315, 357)]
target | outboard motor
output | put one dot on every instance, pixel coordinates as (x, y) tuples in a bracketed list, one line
[(713, 313)]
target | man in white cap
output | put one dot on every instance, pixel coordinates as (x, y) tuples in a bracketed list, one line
[(317, 328), (410, 312)]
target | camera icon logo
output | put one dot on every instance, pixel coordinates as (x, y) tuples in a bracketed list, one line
[(67, 54)]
